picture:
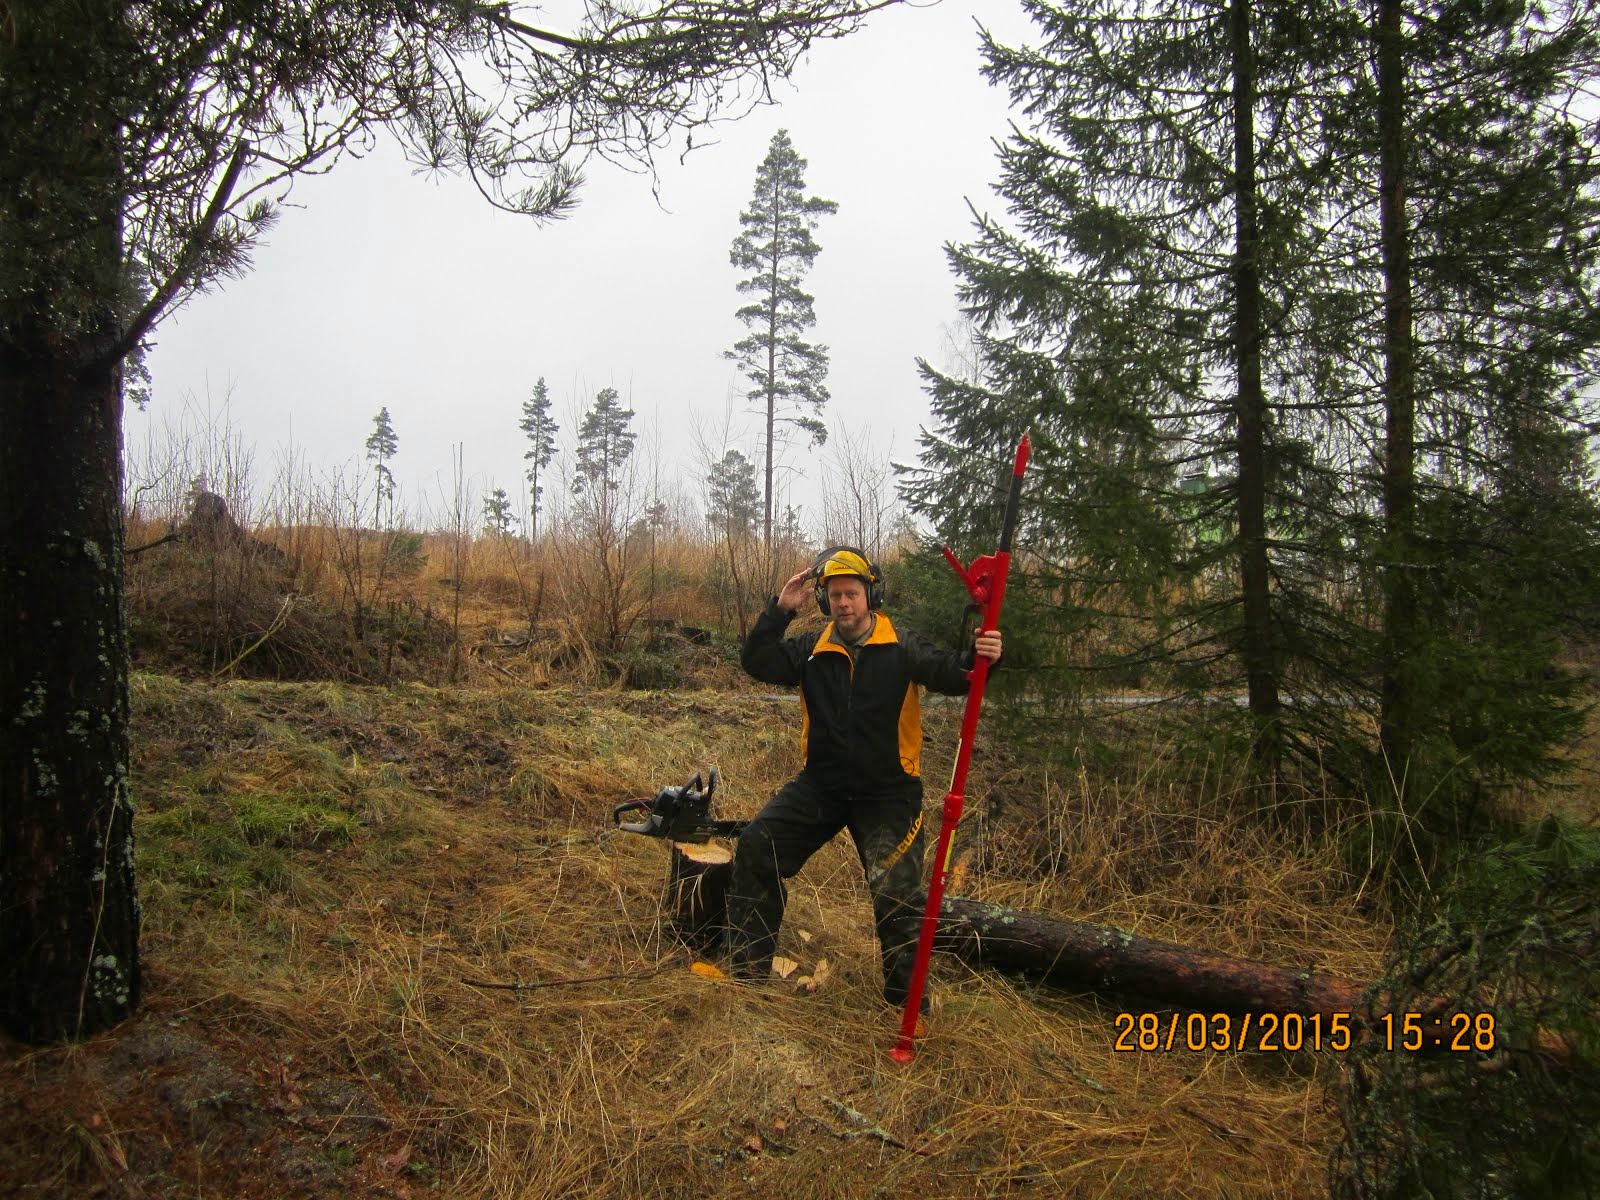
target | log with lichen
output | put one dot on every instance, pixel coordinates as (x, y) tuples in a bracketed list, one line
[(1093, 958)]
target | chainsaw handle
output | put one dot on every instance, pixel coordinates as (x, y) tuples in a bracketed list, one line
[(640, 805)]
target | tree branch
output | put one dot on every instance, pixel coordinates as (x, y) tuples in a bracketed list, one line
[(183, 269)]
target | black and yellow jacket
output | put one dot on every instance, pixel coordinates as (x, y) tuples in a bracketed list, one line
[(861, 722)]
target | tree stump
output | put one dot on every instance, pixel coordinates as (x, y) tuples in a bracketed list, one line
[(697, 893)]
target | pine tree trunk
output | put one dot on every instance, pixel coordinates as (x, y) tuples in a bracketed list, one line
[(1250, 408), (69, 936), (772, 399), (69, 914), (1397, 722)]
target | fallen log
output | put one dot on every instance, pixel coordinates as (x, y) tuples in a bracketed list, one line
[(1092, 958)]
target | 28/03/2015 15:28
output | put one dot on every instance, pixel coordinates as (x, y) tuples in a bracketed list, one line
[(1455, 1032)]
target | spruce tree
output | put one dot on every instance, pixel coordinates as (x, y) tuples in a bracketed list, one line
[(786, 372), (540, 429), (1488, 238), (1274, 400), (497, 518), (1134, 317)]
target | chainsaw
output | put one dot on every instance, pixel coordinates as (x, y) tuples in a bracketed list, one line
[(678, 814)]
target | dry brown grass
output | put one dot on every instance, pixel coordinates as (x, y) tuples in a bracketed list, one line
[(309, 601), (324, 868)]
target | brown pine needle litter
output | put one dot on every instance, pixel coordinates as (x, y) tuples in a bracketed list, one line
[(394, 947)]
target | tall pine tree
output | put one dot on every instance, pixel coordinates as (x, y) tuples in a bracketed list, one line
[(785, 371), (382, 445), (540, 429)]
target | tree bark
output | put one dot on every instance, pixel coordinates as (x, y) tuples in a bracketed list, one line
[(1250, 455), (69, 914), (1397, 721), (772, 384), (1092, 958), (697, 893)]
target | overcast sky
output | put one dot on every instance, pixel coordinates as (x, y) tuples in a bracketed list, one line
[(386, 288)]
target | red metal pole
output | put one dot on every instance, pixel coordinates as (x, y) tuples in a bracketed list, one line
[(986, 582)]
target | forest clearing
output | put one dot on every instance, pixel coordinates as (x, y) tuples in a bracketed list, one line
[(325, 866), (394, 944), (310, 877)]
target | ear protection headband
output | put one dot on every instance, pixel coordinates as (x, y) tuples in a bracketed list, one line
[(874, 578)]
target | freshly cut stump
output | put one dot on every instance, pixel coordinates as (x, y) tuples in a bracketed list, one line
[(697, 892)]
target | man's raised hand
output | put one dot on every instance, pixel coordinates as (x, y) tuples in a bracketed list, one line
[(794, 592)]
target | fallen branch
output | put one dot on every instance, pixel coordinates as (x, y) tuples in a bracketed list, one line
[(494, 666), (864, 1127), (1220, 1130), (277, 624), (160, 541)]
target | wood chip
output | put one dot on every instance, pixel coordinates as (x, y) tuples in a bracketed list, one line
[(818, 978)]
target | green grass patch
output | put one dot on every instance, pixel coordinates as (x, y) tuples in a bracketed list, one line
[(238, 841)]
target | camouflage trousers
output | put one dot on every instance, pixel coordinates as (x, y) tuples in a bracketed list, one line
[(799, 819)]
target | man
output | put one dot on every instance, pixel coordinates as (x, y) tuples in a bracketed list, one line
[(861, 736)]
